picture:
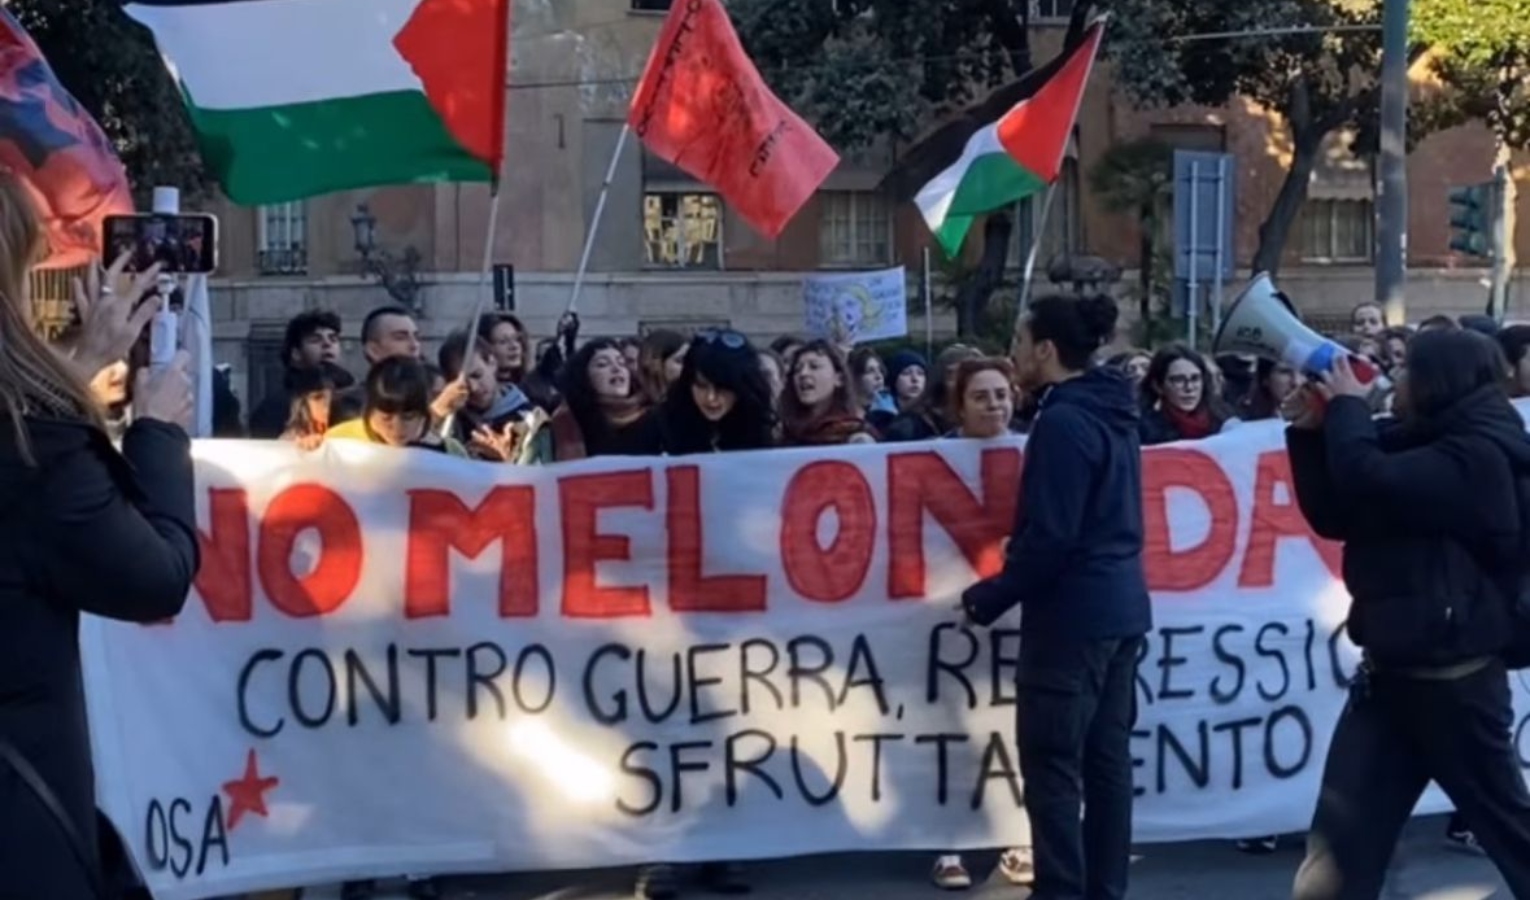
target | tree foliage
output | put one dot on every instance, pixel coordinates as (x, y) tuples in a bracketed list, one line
[(1136, 178), (884, 71), (1319, 81), (109, 63), (866, 70), (1480, 50)]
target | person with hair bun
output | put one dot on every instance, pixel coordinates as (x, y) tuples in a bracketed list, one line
[(1074, 565)]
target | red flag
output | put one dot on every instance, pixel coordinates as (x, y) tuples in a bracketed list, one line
[(58, 150), (460, 50), (703, 107)]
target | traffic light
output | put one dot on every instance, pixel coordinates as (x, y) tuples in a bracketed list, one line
[(1471, 219)]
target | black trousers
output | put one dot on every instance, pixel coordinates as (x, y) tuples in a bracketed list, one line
[(1076, 708), (1396, 734)]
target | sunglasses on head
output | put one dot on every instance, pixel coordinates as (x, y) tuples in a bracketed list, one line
[(725, 336)]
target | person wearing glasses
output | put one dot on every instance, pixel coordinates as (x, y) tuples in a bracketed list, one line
[(1177, 398)]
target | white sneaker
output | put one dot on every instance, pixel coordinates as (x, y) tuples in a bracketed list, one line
[(950, 875), (1018, 865)]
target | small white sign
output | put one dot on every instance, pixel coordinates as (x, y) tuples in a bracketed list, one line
[(858, 307)]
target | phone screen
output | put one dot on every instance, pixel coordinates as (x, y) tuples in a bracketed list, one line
[(178, 243)]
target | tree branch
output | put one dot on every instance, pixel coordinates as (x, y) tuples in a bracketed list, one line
[(1012, 30)]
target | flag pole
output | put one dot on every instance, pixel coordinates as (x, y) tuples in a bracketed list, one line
[(600, 209), (481, 305), (1030, 259)]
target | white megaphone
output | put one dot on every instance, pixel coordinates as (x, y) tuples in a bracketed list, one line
[(1262, 322)]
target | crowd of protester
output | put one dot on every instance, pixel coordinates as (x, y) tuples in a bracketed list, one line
[(490, 396)]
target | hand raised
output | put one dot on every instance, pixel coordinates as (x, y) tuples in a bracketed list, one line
[(111, 315)]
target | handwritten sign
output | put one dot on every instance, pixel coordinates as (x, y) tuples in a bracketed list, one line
[(397, 662), (858, 307)]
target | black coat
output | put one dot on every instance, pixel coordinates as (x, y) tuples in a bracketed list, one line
[(917, 425), (1074, 562), (87, 529), (1428, 515)]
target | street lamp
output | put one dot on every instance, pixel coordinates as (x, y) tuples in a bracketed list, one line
[(399, 275), (365, 226)]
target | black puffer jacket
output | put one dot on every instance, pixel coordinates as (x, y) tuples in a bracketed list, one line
[(1428, 516), (86, 530)]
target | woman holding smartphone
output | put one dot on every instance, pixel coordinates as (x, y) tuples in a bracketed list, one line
[(84, 528)]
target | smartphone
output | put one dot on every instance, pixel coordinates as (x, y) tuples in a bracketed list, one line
[(180, 244)]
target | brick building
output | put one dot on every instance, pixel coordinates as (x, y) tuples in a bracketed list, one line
[(670, 254)]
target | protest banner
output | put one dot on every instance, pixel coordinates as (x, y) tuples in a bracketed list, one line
[(856, 307), (396, 662)]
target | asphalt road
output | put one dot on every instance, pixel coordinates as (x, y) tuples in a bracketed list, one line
[(1423, 869)]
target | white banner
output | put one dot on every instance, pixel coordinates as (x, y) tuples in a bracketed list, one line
[(397, 662), (856, 307)]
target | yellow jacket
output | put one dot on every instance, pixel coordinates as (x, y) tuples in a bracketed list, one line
[(356, 430)]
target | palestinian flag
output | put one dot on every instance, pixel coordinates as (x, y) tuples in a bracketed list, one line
[(1017, 155), (293, 98)]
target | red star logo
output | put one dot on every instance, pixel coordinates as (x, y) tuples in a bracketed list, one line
[(248, 794)]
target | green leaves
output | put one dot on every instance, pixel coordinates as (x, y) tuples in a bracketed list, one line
[(871, 70), (1315, 74), (1133, 177), (1480, 50), (1474, 33)]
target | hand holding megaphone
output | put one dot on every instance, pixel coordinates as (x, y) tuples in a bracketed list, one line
[(1343, 381), (1262, 322)]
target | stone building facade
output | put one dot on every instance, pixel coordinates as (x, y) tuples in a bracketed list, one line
[(669, 254)]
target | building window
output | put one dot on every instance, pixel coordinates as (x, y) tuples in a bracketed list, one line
[(682, 231), (1063, 231), (52, 296), (855, 229), (1335, 231), (1199, 137), (650, 5), (266, 370), (283, 236), (1042, 10), (1023, 232)]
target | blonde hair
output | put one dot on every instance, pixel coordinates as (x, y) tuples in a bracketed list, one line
[(34, 379)]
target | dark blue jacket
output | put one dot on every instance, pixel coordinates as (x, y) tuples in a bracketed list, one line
[(1074, 562)]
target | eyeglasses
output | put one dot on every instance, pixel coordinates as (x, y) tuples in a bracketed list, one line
[(725, 336), (1184, 381)]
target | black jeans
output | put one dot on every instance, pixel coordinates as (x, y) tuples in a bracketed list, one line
[(1396, 735), (1077, 705)]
